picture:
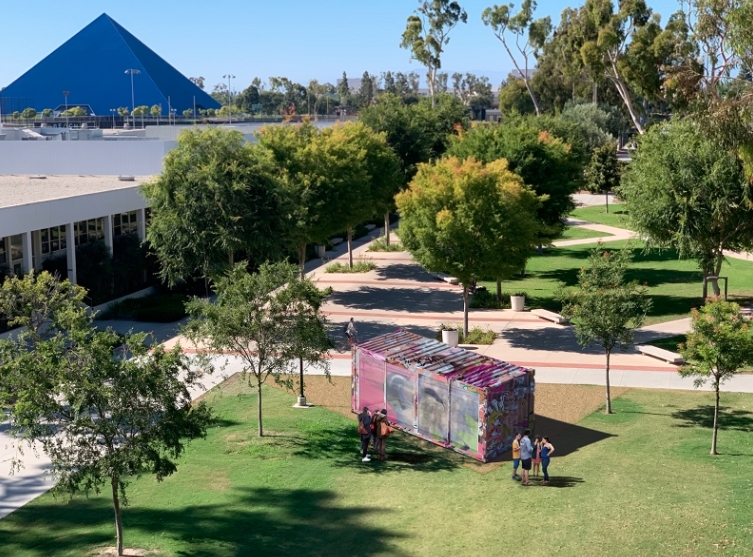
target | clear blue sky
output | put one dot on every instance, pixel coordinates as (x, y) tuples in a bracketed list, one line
[(299, 39)]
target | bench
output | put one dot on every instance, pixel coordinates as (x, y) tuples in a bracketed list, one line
[(660, 353), (549, 316)]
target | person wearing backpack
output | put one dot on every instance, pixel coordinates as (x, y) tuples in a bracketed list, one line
[(382, 430), (364, 430)]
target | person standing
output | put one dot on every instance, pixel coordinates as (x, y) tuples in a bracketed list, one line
[(351, 333), (536, 455), (546, 453), (515, 456), (364, 430), (382, 430), (526, 455)]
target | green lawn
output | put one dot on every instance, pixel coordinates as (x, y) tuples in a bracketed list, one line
[(578, 233), (640, 482), (669, 343), (675, 285), (617, 215)]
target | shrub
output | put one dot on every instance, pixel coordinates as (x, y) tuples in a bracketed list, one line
[(94, 270), (380, 244), (476, 336), (483, 299), (358, 267), (56, 265), (156, 309)]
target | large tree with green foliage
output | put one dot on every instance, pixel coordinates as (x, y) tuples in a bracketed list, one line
[(719, 345), (269, 319), (603, 172), (547, 164), (530, 36), (416, 132), (468, 219), (427, 32), (104, 408), (687, 191), (604, 309), (216, 198)]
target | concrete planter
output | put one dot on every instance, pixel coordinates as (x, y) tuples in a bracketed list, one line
[(450, 338), (517, 303)]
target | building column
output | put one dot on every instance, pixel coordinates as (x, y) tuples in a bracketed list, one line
[(36, 238), (141, 224), (107, 225), (70, 252), (28, 261)]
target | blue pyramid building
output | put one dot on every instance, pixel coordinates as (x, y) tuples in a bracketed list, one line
[(91, 67)]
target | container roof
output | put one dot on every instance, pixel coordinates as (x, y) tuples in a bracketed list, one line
[(416, 352)]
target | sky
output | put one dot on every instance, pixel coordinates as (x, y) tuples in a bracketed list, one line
[(298, 39)]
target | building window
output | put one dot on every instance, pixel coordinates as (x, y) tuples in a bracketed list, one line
[(16, 248), (125, 223), (3, 255), (89, 230), (53, 239)]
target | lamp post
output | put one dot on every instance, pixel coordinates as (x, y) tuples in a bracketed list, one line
[(229, 99), (113, 111), (65, 94), (133, 101)]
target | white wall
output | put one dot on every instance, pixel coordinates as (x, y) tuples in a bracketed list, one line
[(35, 216), (113, 158)]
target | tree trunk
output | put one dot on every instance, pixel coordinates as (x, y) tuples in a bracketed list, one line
[(499, 292), (608, 409), (350, 248), (465, 310), (302, 260), (622, 89), (387, 228), (300, 363), (716, 418), (231, 258), (258, 410), (606, 196), (118, 521)]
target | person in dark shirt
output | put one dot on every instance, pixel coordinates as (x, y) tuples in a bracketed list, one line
[(364, 430)]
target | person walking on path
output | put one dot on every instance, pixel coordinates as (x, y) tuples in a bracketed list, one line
[(526, 455), (382, 430), (364, 430), (536, 455), (515, 456), (546, 453), (351, 333)]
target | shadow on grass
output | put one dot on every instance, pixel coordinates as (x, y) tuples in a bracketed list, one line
[(568, 438), (703, 416), (343, 445), (563, 481), (264, 522)]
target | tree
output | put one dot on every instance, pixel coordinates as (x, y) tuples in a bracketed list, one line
[(142, 111), (247, 98), (687, 191), (268, 319), (29, 114), (99, 415), (600, 124), (416, 132), (469, 220), (198, 81), (16, 115), (123, 111), (718, 346), (546, 163), (343, 90), (605, 310), (427, 33), (188, 113), (367, 90), (47, 113), (156, 111), (472, 91), (217, 197), (522, 24), (603, 172), (78, 111), (309, 193), (513, 97)]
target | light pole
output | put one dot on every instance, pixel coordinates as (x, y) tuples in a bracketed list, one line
[(229, 98), (133, 101), (65, 94), (113, 111)]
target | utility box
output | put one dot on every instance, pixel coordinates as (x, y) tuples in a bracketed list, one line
[(453, 397)]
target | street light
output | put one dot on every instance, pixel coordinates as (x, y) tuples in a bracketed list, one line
[(65, 94), (133, 101), (229, 98), (113, 111)]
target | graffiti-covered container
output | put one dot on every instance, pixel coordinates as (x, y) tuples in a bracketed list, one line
[(455, 398)]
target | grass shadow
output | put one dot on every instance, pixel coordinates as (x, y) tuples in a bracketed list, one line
[(568, 438), (422, 300), (703, 416)]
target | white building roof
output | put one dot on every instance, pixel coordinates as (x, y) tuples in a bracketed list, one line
[(18, 190)]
